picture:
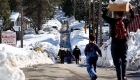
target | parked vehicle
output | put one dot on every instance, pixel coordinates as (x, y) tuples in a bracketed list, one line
[(29, 31), (40, 32), (55, 27)]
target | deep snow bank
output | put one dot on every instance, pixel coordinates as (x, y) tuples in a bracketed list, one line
[(133, 56), (8, 68), (79, 38)]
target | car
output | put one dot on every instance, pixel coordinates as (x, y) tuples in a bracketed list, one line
[(55, 27), (105, 24), (41, 32), (29, 31)]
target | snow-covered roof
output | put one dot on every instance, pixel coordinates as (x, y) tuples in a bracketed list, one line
[(14, 16), (27, 18)]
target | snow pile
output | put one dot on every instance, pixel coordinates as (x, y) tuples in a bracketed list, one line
[(47, 47), (12, 58), (76, 24), (8, 68), (106, 59), (54, 22), (16, 56), (133, 56)]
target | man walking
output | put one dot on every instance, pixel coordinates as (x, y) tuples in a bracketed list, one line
[(77, 54), (119, 37)]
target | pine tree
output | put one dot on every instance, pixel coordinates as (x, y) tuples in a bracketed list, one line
[(38, 10), (14, 4), (5, 13), (67, 7), (80, 13)]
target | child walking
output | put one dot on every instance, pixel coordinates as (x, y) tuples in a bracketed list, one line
[(92, 57)]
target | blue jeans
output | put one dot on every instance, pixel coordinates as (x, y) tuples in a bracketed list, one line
[(91, 65), (119, 55)]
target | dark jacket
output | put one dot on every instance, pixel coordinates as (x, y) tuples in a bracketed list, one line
[(61, 53), (96, 48), (112, 22), (76, 52)]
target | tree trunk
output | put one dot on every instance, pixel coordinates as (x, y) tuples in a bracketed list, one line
[(39, 13)]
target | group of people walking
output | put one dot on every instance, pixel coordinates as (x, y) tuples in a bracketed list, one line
[(119, 34), (75, 55)]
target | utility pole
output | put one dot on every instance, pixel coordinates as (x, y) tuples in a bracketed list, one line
[(89, 18), (100, 16), (21, 25), (93, 17)]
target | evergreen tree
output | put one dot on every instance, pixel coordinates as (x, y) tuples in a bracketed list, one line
[(14, 4), (67, 7), (38, 10), (5, 13), (81, 8)]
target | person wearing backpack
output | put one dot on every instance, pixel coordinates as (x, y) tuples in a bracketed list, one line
[(91, 50), (119, 36)]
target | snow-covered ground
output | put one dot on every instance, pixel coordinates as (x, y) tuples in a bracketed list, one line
[(37, 49), (42, 49)]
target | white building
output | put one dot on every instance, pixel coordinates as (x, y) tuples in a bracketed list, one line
[(15, 19)]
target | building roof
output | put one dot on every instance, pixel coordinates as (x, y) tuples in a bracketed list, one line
[(14, 16)]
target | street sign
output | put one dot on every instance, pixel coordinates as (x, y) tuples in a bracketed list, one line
[(8, 37)]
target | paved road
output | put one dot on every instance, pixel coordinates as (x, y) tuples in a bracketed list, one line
[(65, 36), (71, 72)]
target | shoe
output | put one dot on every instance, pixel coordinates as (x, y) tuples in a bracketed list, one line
[(94, 77), (124, 78), (119, 79)]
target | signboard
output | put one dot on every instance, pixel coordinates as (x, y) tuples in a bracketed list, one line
[(8, 37)]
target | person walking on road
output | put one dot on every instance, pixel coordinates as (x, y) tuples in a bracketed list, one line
[(69, 56), (62, 54), (92, 57), (119, 36), (77, 54)]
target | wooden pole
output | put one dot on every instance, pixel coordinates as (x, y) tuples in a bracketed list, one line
[(89, 19), (21, 26), (100, 17), (93, 17)]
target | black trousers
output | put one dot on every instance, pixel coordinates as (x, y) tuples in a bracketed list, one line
[(77, 60), (119, 55), (62, 60)]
